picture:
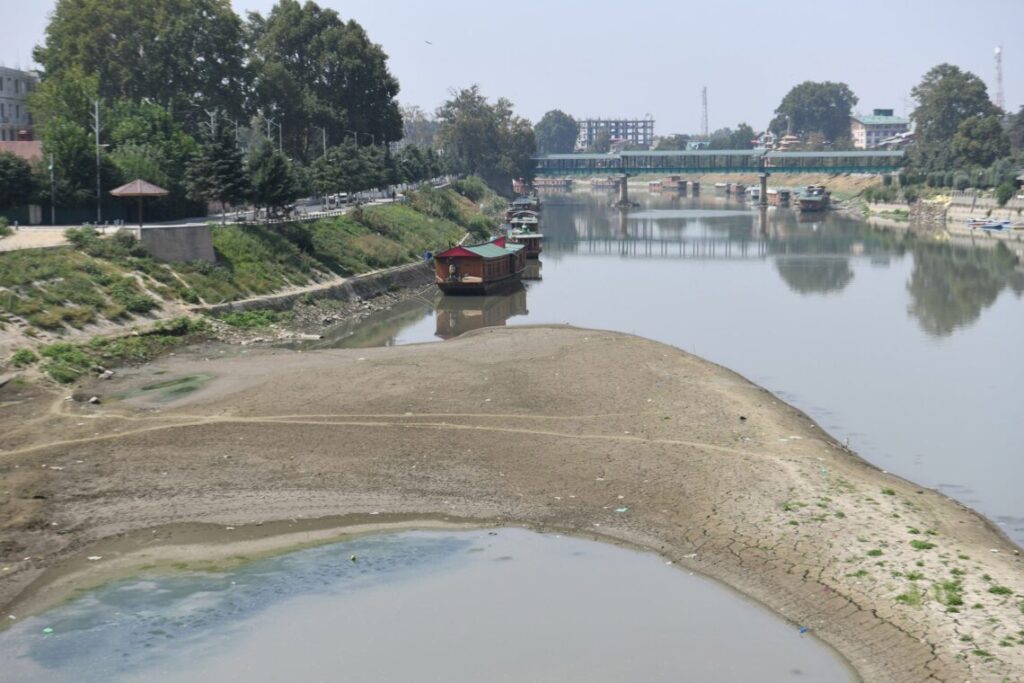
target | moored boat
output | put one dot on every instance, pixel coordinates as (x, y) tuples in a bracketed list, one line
[(526, 203), (754, 193), (988, 224), (722, 187), (475, 269), (814, 198)]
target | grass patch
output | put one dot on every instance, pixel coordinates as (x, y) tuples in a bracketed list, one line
[(888, 492), (66, 362), (1000, 590), (874, 552), (839, 514), (22, 358), (248, 320), (921, 545), (915, 576), (949, 593), (912, 597)]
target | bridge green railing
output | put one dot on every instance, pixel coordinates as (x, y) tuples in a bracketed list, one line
[(718, 161)]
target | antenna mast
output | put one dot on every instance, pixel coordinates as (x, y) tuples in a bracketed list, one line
[(1000, 100), (704, 112)]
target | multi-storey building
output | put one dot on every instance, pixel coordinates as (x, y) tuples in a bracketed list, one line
[(868, 132), (15, 119), (630, 131)]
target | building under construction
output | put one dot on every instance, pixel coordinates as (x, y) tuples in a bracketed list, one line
[(630, 131)]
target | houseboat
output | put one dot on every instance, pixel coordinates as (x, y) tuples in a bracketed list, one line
[(695, 186), (459, 314), (524, 229), (778, 197), (654, 186), (674, 184), (553, 184), (814, 198), (477, 269), (526, 203), (736, 188), (754, 193), (533, 270), (604, 183), (722, 188)]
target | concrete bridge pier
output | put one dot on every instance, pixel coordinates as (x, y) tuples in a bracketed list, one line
[(624, 190), (763, 200)]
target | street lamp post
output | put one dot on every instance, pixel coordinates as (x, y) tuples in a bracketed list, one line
[(96, 129), (53, 195)]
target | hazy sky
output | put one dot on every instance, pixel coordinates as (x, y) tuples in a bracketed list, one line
[(605, 58)]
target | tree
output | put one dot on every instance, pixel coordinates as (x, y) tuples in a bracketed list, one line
[(345, 168), (556, 133), (946, 97), (674, 143), (418, 128), (184, 54), (74, 161), (314, 72), (15, 181), (727, 138), (979, 141), (69, 95), (216, 172), (273, 181), (1015, 130), (816, 107), (602, 143), (484, 139)]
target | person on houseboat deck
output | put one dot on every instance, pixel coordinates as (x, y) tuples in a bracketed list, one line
[(453, 271)]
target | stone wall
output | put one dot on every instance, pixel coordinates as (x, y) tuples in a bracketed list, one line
[(178, 243), (359, 287)]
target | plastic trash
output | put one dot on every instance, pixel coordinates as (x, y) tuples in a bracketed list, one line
[(48, 630), (353, 558), (622, 509), (803, 630)]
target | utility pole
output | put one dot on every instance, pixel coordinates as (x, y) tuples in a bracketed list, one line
[(324, 130), (1000, 99), (704, 112), (53, 195), (96, 128)]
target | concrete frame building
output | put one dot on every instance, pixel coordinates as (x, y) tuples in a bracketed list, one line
[(15, 119), (630, 131), (868, 132)]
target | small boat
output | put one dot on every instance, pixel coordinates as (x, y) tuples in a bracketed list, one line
[(654, 186), (814, 198), (722, 187), (529, 203), (988, 224), (754, 193), (674, 183), (487, 268)]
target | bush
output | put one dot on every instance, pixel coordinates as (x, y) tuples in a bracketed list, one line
[(23, 358), (961, 181), (1004, 193), (887, 180), (472, 188), (5, 230), (911, 194), (480, 227)]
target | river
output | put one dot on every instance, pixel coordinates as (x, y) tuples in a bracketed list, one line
[(908, 349)]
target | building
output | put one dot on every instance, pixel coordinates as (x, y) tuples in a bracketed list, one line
[(868, 132), (15, 120), (629, 131)]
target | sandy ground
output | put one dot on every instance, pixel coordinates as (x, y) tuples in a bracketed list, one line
[(593, 433), (33, 238)]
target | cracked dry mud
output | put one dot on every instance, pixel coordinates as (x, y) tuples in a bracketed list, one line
[(553, 427)]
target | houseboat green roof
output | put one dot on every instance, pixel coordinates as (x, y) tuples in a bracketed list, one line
[(489, 250)]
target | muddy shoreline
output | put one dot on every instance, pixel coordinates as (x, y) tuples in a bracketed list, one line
[(551, 427)]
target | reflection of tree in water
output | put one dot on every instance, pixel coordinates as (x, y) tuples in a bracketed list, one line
[(951, 286), (810, 275)]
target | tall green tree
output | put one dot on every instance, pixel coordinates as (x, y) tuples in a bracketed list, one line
[(727, 138), (1015, 130), (186, 55), (273, 181), (486, 139), (15, 181), (946, 97), (979, 141), (217, 172), (345, 168), (602, 142), (816, 107), (315, 72), (673, 143), (418, 128), (556, 133)]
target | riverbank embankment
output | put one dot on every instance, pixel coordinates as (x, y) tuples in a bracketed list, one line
[(659, 450)]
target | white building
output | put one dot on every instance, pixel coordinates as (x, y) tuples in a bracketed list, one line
[(15, 120), (868, 132)]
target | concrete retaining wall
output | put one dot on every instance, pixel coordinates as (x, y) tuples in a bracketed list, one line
[(178, 243), (360, 287)]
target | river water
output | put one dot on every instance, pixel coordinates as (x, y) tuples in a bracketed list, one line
[(502, 605), (911, 350)]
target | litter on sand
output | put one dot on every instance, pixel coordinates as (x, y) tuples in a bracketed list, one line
[(48, 630), (95, 557), (803, 630), (622, 509)]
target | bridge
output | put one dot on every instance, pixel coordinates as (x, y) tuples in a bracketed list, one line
[(660, 162)]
